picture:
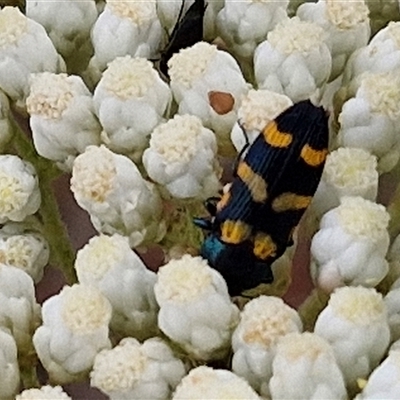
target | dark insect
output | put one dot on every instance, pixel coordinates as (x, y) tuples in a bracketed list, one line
[(188, 31), (252, 223)]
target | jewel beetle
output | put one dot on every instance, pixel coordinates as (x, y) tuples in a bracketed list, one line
[(187, 31), (252, 223)]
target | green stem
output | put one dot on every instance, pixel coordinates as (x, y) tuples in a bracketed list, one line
[(55, 232), (29, 377), (52, 227), (394, 211), (311, 308)]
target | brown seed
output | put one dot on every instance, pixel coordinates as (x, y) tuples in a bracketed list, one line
[(221, 102)]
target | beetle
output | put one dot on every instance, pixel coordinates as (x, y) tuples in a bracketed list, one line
[(187, 31), (253, 222)]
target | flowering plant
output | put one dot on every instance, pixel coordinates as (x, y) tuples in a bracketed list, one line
[(86, 118)]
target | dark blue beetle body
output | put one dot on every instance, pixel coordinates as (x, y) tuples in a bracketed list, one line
[(253, 222)]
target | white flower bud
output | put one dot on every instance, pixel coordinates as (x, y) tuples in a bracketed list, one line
[(74, 330), (5, 126), (9, 369), (24, 249), (351, 245), (19, 311), (44, 393), (19, 188), (304, 367), (355, 324), (208, 83), (392, 301), (347, 172), (137, 371), (381, 55), (126, 28), (294, 60), (130, 101), (262, 322), (62, 119), (243, 25), (205, 383), (68, 24), (111, 189), (371, 119), (24, 48), (182, 158), (257, 109), (191, 295), (383, 383), (346, 24), (109, 264)]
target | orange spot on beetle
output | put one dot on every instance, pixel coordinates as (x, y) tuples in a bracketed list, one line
[(264, 246), (290, 202), (254, 182), (274, 137), (313, 157), (235, 232)]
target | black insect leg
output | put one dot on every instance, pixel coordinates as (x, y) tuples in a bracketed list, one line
[(244, 148), (203, 223), (211, 205)]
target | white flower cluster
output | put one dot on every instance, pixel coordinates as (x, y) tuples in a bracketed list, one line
[(111, 188), (109, 264), (79, 91), (62, 117)]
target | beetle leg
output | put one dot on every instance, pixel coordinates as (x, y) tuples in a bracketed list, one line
[(203, 223)]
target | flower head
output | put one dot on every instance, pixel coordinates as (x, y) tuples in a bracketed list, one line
[(137, 371), (62, 117), (68, 25), (44, 393), (204, 383), (347, 172), (108, 263), (355, 324), (191, 64), (77, 318), (182, 157), (9, 368), (294, 35), (208, 83), (262, 322), (321, 378), (383, 382), (347, 15), (370, 119), (301, 60), (238, 23), (346, 25), (136, 32), (351, 245), (19, 189), (110, 187), (24, 249), (24, 48), (190, 294), (19, 311), (84, 309), (133, 90)]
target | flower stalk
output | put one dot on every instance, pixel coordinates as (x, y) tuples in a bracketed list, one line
[(51, 225)]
